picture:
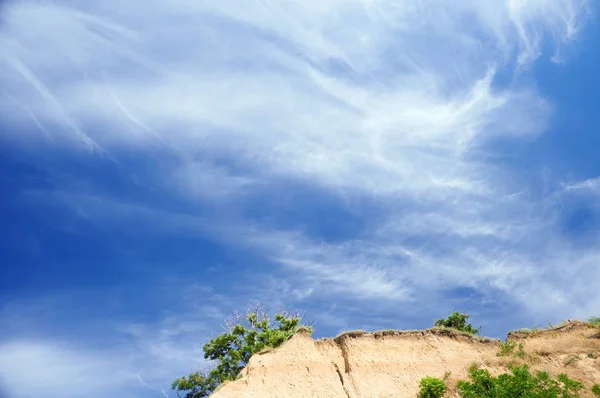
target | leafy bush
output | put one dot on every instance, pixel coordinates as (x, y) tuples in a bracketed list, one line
[(457, 321), (519, 384), (596, 390), (430, 387), (245, 336), (595, 320)]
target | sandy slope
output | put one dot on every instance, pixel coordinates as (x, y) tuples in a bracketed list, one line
[(390, 363)]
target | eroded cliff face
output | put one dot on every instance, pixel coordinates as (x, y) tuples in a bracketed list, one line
[(391, 363)]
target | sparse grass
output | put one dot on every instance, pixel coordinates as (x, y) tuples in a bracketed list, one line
[(390, 332), (483, 339), (513, 363), (452, 332), (524, 331), (558, 326), (303, 329), (349, 334), (520, 352), (533, 360), (595, 320), (527, 332), (563, 323), (447, 375), (508, 349), (571, 360)]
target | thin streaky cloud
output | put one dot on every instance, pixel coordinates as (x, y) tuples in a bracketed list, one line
[(396, 111)]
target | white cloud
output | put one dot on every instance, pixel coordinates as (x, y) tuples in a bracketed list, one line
[(386, 102), (70, 352), (589, 186), (61, 369)]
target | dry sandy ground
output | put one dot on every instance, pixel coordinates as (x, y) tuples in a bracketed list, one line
[(391, 363)]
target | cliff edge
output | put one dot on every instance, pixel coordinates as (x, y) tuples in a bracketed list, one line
[(391, 363)]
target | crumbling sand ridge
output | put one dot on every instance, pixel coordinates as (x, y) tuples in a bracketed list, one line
[(391, 363)]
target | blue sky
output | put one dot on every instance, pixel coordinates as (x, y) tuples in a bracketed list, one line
[(377, 164)]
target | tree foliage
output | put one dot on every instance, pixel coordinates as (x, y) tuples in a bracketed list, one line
[(244, 336), (520, 383), (457, 321)]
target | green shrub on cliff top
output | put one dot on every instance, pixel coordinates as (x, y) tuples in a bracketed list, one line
[(457, 321), (245, 336)]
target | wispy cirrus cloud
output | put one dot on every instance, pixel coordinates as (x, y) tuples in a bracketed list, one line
[(391, 100), (590, 185), (391, 113)]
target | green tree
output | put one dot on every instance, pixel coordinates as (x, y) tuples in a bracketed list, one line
[(595, 320), (245, 335), (520, 383), (431, 387), (457, 321)]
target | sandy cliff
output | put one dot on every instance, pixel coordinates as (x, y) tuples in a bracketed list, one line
[(391, 363)]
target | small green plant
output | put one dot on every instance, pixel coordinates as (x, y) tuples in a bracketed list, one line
[(592, 355), (457, 321), (521, 352), (571, 360), (508, 349), (596, 390), (520, 383), (431, 387)]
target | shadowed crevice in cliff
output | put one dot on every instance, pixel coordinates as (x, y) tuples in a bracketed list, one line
[(337, 369)]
